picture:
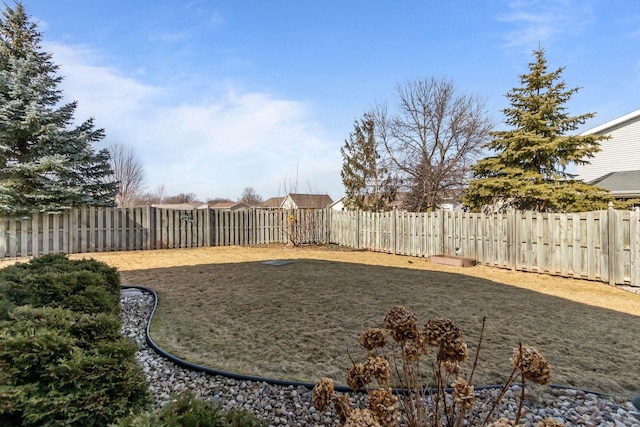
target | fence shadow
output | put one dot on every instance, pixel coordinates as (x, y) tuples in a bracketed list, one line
[(298, 321)]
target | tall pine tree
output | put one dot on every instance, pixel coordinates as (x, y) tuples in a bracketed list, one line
[(366, 182), (529, 168), (46, 163)]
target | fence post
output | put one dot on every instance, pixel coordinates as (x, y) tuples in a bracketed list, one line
[(442, 237), (611, 250), (394, 213), (514, 238), (358, 229), (327, 221), (148, 227)]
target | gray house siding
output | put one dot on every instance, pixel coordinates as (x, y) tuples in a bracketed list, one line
[(619, 153)]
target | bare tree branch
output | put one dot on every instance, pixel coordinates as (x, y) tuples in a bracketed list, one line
[(432, 139), (128, 174), (250, 197)]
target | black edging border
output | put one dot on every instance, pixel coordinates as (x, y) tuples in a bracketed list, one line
[(343, 389)]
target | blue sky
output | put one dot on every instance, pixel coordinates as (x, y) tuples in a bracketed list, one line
[(216, 96)]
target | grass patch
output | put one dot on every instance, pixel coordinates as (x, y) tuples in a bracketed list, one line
[(224, 308)]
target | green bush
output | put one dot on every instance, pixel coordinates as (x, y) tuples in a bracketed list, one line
[(59, 263), (6, 306), (54, 280), (63, 360), (52, 373), (189, 411)]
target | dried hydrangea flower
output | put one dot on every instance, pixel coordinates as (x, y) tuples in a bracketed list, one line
[(550, 422), (447, 336), (421, 343), (372, 338), (441, 329), (378, 367), (463, 394), (322, 394), (361, 418), (358, 377), (456, 352), (410, 354), (401, 323), (342, 404), (385, 407), (532, 364), (450, 367)]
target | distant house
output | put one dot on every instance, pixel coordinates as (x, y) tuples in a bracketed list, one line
[(616, 167), (180, 206), (306, 201), (272, 203), (229, 206), (621, 152), (338, 205), (622, 185)]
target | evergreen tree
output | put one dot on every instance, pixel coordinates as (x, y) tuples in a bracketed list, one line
[(367, 185), (46, 164), (529, 168)]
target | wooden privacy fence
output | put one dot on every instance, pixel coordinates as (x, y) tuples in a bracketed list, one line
[(125, 229), (601, 245)]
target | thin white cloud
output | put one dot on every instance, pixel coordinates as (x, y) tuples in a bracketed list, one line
[(213, 19), (217, 19), (170, 37), (214, 148), (107, 92), (541, 21)]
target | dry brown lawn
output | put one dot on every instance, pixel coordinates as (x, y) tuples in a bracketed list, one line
[(223, 308)]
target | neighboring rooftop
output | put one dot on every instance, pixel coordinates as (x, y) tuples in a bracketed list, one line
[(273, 202), (228, 205), (180, 206), (626, 183), (310, 201), (608, 126)]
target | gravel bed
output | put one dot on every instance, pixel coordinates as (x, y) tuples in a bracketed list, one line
[(291, 406)]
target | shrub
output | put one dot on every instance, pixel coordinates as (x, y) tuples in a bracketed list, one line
[(54, 280), (55, 369), (63, 360), (188, 411), (6, 306)]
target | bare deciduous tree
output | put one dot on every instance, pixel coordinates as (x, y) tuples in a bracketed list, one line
[(181, 198), (250, 197), (157, 196), (128, 174), (218, 200), (432, 139)]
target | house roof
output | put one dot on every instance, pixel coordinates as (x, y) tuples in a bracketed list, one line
[(228, 205), (603, 128), (273, 202), (180, 206), (311, 201), (620, 183), (340, 200)]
